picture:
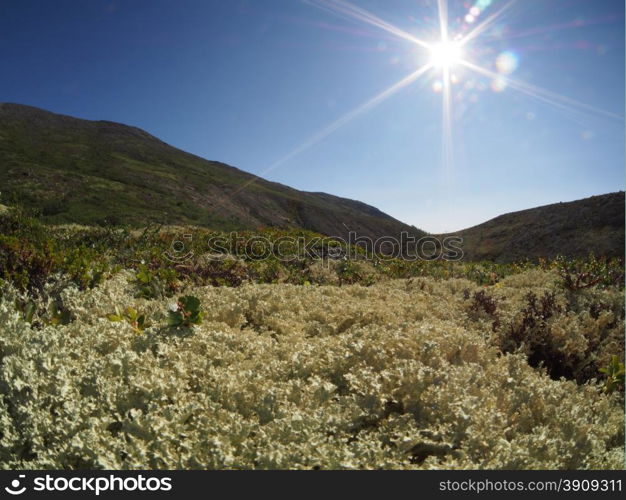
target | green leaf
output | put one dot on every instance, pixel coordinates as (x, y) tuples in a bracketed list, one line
[(131, 313), (66, 317), (175, 319), (142, 322), (29, 311), (195, 319), (144, 276), (190, 303)]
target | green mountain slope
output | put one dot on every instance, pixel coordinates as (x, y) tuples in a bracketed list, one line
[(594, 224), (102, 172)]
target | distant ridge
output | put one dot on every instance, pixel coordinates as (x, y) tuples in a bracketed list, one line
[(575, 228)]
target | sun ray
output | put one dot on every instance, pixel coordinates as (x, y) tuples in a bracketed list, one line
[(442, 6), (371, 103), (346, 8), (328, 130), (447, 142), (445, 54), (541, 30), (552, 98)]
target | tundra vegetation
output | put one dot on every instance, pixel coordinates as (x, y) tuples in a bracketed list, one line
[(113, 356)]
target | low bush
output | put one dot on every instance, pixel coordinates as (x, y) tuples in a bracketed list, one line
[(339, 363), (284, 376)]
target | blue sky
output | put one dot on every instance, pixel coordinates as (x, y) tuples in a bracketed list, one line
[(251, 82)]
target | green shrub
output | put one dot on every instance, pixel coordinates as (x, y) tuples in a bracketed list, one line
[(155, 284), (138, 322), (614, 373), (185, 313), (25, 265), (58, 315), (577, 274)]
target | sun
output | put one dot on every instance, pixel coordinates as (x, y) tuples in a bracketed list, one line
[(445, 54)]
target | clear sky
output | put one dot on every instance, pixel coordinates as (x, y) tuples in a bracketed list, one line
[(276, 87)]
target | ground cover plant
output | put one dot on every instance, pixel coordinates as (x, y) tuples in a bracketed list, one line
[(114, 355)]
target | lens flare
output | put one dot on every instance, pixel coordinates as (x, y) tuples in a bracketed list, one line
[(446, 53), (552, 98), (507, 62), (499, 84)]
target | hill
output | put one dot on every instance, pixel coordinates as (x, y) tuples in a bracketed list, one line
[(106, 173), (100, 172), (594, 224)]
